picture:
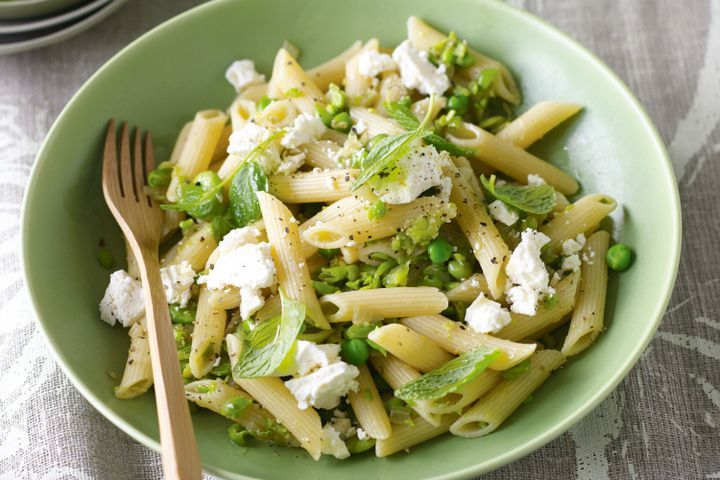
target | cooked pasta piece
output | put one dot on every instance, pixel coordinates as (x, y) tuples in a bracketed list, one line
[(137, 377), (368, 406), (582, 216), (457, 338), (195, 247), (589, 311), (375, 124), (321, 154), (532, 125), (207, 336), (469, 289), (292, 271), (288, 75), (416, 350), (216, 394), (385, 302), (456, 401), (333, 71), (357, 85), (180, 143), (310, 187), (240, 111), (407, 435), (494, 408), (226, 299)]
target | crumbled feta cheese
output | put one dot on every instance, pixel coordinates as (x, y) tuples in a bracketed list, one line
[(291, 162), (372, 63), (308, 356), (412, 175), (360, 126), (417, 72), (251, 300), (242, 74), (177, 280), (324, 386), (361, 434), (527, 275), (236, 238), (534, 180), (571, 263), (306, 128), (332, 444), (123, 301), (248, 266), (486, 316), (573, 246), (243, 140), (502, 213)]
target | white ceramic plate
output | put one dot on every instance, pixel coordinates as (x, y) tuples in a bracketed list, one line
[(23, 26), (33, 40)]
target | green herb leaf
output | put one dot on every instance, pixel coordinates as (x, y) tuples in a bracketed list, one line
[(449, 377), (222, 224), (244, 205), (518, 370), (401, 113), (538, 199), (265, 347)]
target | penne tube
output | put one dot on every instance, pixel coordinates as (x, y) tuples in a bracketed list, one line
[(523, 327), (321, 154), (494, 408), (589, 312), (226, 299), (292, 272), (456, 401), (137, 377), (509, 159), (397, 373), (280, 113), (357, 85), (240, 111), (215, 394), (333, 71), (408, 435), (368, 406), (311, 187), (254, 93), (375, 124), (287, 75), (195, 247), (273, 395), (384, 302), (457, 338), (207, 336), (532, 125), (582, 216), (196, 154), (416, 350), (180, 143), (391, 90)]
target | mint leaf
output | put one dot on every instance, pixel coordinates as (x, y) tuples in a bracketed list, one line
[(265, 347), (402, 114), (538, 199), (450, 377), (244, 205)]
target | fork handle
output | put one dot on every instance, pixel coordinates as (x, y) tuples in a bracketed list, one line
[(179, 450)]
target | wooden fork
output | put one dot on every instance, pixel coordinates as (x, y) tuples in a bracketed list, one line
[(140, 219)]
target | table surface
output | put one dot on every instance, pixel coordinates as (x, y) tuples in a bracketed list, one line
[(662, 422)]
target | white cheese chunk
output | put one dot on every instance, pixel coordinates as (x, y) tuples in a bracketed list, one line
[(242, 74), (243, 140), (324, 387), (236, 238), (502, 213), (527, 275), (124, 301), (332, 444), (571, 263), (291, 163), (251, 300), (307, 356), (248, 266), (572, 246), (177, 280), (417, 72), (362, 435), (306, 128), (486, 316), (372, 63), (534, 180), (413, 174)]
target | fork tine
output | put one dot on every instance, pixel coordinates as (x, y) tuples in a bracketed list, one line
[(138, 167), (110, 168), (127, 186), (149, 158)]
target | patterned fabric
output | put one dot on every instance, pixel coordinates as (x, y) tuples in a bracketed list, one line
[(662, 422)]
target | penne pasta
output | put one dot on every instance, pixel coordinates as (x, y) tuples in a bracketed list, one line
[(411, 434), (532, 125), (207, 336), (416, 350), (321, 154), (583, 215), (374, 123), (288, 76), (333, 71), (469, 289), (311, 187), (195, 248), (384, 302), (137, 377), (368, 406), (216, 394)]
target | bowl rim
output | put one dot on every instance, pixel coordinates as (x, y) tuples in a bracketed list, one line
[(630, 358)]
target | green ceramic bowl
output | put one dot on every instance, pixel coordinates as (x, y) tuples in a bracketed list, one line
[(20, 9), (160, 80)]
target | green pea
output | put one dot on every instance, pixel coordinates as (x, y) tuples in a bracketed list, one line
[(361, 331), (618, 257), (431, 282), (186, 224), (459, 267), (439, 250), (105, 259), (377, 210), (263, 103), (160, 177), (355, 351), (325, 116), (329, 253), (341, 122), (459, 104), (336, 98), (355, 445), (207, 180)]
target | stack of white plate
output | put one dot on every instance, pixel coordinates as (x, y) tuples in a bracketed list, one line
[(29, 24)]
